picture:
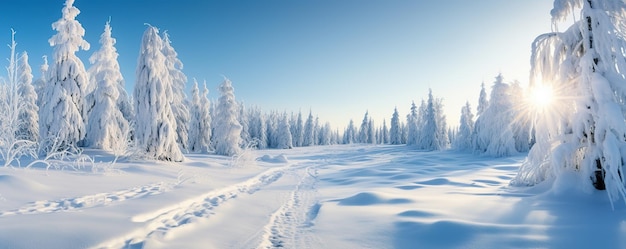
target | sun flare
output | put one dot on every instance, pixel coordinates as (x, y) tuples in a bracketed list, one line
[(541, 96)]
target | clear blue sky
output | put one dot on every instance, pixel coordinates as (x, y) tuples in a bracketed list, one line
[(338, 58)]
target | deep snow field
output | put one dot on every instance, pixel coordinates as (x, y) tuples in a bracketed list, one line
[(344, 196)]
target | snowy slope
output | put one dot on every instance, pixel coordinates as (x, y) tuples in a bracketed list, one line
[(348, 196)]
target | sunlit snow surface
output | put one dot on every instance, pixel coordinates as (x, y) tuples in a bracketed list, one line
[(347, 196)]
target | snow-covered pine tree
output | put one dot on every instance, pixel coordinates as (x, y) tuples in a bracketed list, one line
[(41, 81), (155, 131), (483, 103), (107, 128), (28, 119), (196, 121), (431, 135), (245, 124), (442, 125), (298, 131), (308, 138), (349, 136), (258, 130), (177, 90), (103, 66), (585, 133), (493, 132), (521, 123), (371, 132), (227, 134), (205, 115), (395, 131), (316, 130), (62, 112), (364, 130), (384, 133), (463, 139), (326, 134), (284, 134), (271, 127), (412, 122)]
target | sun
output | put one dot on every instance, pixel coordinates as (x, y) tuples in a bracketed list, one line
[(541, 96)]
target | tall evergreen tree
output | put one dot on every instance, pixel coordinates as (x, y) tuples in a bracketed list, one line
[(284, 134), (384, 133), (28, 124), (395, 131), (107, 128), (155, 121), (482, 100), (364, 130), (463, 139), (413, 124), (200, 123), (227, 133), (40, 83), (177, 90), (298, 131), (583, 134), (308, 138), (62, 114), (350, 133), (431, 135), (493, 132)]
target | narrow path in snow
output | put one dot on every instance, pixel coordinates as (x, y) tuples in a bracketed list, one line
[(286, 225), (160, 222), (90, 201)]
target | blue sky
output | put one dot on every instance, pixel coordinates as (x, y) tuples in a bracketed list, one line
[(336, 58)]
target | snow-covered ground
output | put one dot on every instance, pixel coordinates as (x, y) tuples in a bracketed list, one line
[(348, 196)]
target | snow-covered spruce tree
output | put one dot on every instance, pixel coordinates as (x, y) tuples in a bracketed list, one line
[(521, 123), (442, 125), (258, 130), (227, 134), (412, 122), (493, 131), (483, 103), (326, 134), (308, 138), (271, 124), (364, 130), (177, 90), (199, 125), (284, 134), (298, 131), (584, 130), (155, 123), (349, 136), (384, 133), (463, 140), (316, 130), (244, 120), (395, 131), (28, 119), (41, 81), (431, 138), (62, 112), (107, 128), (371, 132)]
